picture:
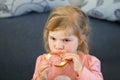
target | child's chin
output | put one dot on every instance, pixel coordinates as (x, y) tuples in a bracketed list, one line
[(62, 77)]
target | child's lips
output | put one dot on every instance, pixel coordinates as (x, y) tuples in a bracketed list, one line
[(56, 53)]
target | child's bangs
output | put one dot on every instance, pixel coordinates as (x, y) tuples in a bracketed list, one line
[(63, 23), (69, 29)]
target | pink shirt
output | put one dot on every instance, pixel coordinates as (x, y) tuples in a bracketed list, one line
[(91, 68)]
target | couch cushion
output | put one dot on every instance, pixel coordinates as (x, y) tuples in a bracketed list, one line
[(21, 43)]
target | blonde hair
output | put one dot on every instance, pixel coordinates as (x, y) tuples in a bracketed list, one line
[(70, 19)]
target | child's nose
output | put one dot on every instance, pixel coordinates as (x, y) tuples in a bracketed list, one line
[(59, 45)]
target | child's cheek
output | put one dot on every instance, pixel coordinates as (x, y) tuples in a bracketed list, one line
[(71, 47), (68, 46)]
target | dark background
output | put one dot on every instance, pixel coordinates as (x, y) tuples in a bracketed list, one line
[(21, 42)]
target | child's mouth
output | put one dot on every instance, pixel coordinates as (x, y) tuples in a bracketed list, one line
[(62, 63)]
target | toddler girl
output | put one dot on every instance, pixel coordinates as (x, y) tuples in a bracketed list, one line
[(67, 58)]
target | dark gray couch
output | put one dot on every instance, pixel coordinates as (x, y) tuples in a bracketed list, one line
[(21, 42)]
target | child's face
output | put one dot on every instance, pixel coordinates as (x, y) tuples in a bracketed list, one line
[(58, 41)]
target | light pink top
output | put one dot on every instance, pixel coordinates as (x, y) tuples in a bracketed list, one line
[(91, 69)]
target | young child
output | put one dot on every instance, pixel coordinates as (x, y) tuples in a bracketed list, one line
[(68, 58)]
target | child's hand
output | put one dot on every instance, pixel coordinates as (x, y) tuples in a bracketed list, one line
[(75, 61), (43, 69)]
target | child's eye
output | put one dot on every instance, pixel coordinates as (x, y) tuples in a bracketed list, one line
[(52, 38), (66, 40)]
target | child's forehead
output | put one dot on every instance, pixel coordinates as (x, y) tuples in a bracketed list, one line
[(62, 32)]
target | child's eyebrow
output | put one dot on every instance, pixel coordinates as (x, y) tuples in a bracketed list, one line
[(64, 37), (51, 36)]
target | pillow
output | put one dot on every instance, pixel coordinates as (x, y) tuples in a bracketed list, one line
[(76, 3), (102, 9), (9, 8)]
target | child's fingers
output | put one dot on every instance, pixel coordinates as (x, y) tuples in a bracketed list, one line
[(43, 73), (43, 66)]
